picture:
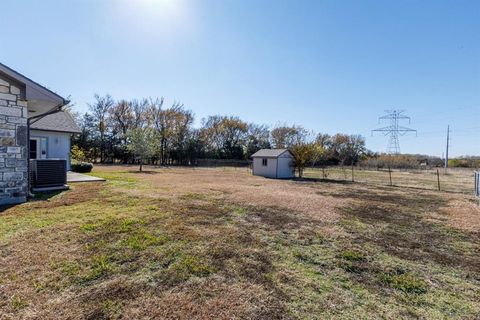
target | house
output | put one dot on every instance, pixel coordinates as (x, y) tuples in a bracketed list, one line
[(50, 136), (23, 103), (273, 163)]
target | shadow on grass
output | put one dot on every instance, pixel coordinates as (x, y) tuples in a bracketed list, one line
[(322, 180), (42, 196), (402, 230), (143, 172), (5, 207), (38, 197)]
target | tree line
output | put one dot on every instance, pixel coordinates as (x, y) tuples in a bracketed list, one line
[(147, 130)]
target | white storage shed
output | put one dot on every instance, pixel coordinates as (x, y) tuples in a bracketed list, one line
[(273, 163)]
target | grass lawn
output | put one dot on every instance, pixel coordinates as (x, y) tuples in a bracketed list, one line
[(458, 180), (184, 243)]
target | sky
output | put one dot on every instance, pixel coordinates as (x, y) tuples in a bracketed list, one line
[(330, 66)]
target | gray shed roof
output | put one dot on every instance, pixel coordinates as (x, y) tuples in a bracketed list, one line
[(269, 153), (60, 121)]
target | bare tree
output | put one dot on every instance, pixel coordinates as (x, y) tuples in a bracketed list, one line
[(139, 112), (284, 136), (121, 120), (180, 133), (348, 148), (156, 119), (257, 138), (224, 136), (105, 135), (100, 109)]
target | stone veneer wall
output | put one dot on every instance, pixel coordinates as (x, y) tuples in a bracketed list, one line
[(13, 144)]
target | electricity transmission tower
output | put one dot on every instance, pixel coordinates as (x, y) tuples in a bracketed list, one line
[(394, 129)]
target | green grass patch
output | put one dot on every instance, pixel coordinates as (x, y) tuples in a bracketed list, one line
[(352, 260), (126, 225), (112, 308), (100, 266), (352, 255), (141, 240), (192, 265), (118, 178), (88, 227), (17, 302), (406, 282), (193, 196), (239, 212), (70, 268)]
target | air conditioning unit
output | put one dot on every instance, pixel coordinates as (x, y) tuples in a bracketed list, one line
[(48, 174)]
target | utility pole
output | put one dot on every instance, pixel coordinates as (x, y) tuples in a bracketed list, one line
[(394, 129), (446, 152)]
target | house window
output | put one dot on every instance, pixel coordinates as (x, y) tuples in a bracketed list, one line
[(33, 149), (264, 162), (38, 148), (43, 148)]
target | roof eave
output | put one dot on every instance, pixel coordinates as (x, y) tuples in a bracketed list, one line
[(257, 155), (264, 156), (59, 131), (33, 90)]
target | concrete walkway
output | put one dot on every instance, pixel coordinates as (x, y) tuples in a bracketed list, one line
[(73, 177)]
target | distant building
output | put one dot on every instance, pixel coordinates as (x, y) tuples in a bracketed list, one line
[(273, 163)]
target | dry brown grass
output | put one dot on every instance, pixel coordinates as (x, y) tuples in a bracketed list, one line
[(180, 243), (238, 186), (462, 214), (457, 180)]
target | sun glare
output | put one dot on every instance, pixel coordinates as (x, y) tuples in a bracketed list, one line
[(159, 4), (159, 17)]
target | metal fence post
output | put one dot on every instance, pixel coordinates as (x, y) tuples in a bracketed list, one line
[(477, 185), (438, 180), (390, 175)]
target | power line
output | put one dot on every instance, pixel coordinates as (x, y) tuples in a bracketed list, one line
[(394, 129)]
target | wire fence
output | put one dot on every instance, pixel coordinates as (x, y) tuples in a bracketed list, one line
[(223, 163), (458, 180)]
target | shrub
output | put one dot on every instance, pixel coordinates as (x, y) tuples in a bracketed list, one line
[(81, 167), (401, 161), (77, 154), (464, 162)]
